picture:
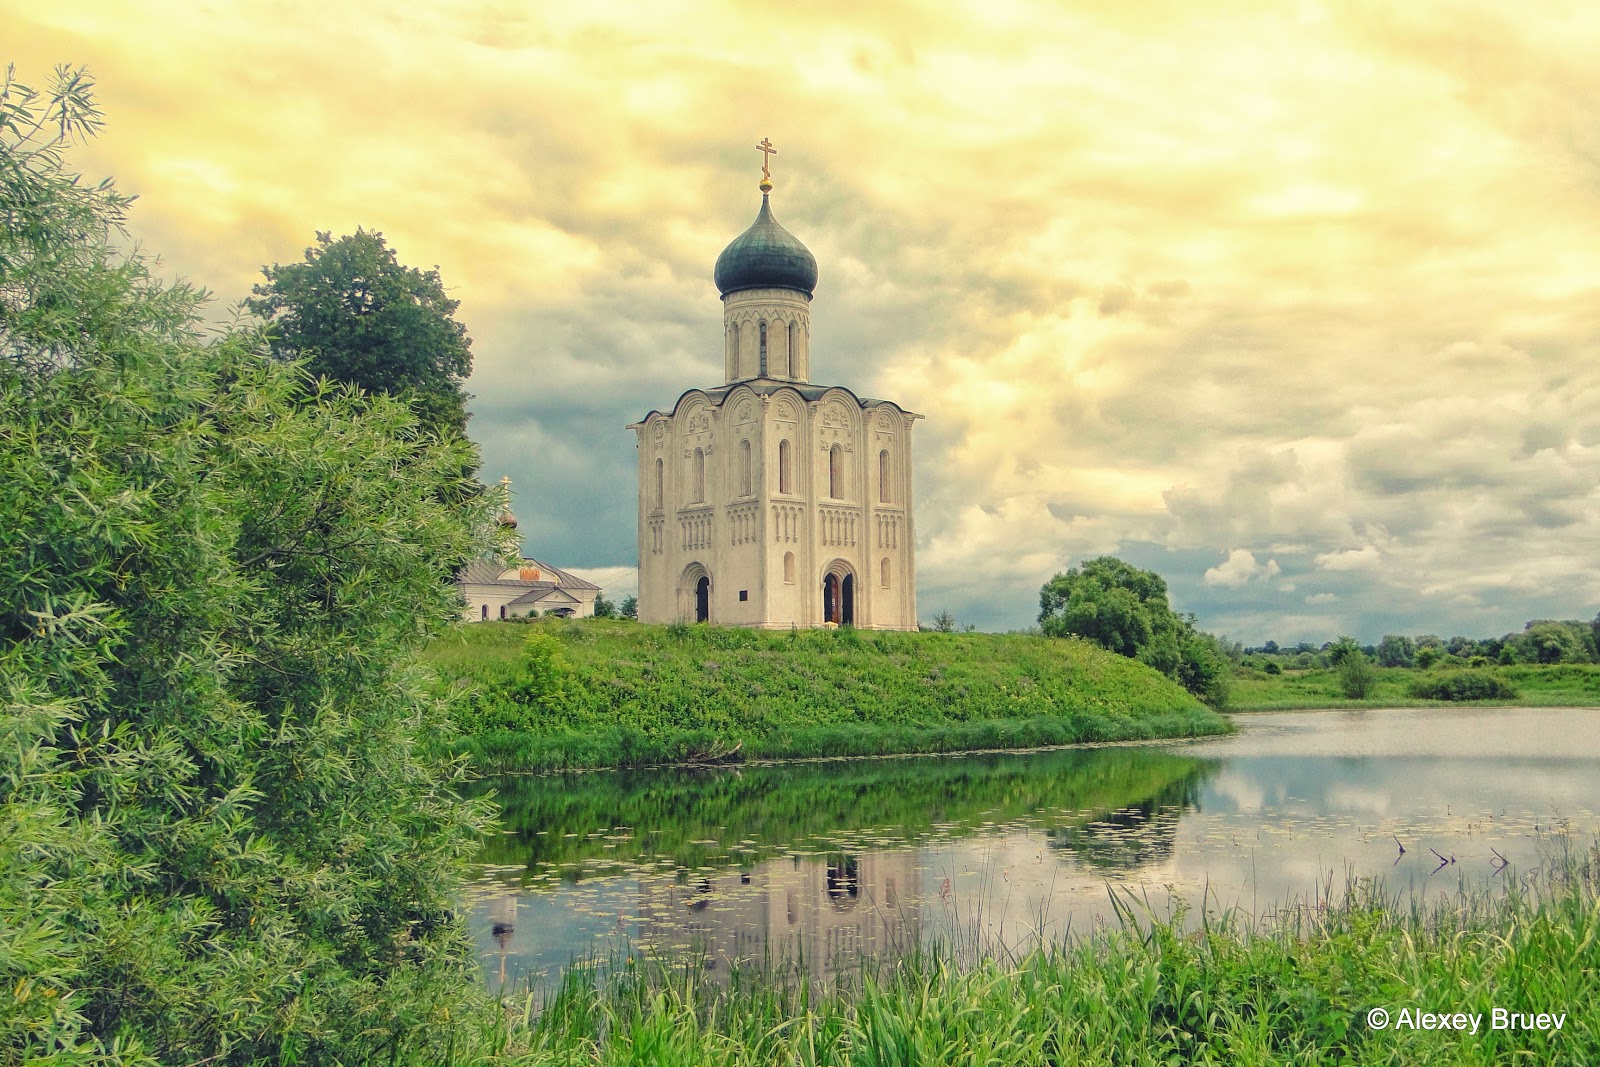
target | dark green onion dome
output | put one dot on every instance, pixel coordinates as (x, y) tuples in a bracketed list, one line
[(766, 256)]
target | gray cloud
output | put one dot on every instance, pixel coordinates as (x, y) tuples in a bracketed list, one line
[(1193, 284)]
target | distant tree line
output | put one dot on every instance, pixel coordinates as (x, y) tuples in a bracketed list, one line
[(1539, 641)]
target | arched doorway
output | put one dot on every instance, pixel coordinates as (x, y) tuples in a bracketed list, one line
[(839, 597), (694, 594)]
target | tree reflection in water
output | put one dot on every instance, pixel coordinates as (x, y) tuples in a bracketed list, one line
[(824, 863)]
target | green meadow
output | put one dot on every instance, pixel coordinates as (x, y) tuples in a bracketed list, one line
[(560, 694), (1532, 685)]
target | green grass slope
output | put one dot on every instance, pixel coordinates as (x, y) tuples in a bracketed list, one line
[(626, 694)]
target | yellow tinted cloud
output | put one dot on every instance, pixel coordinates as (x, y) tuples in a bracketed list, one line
[(1108, 249)]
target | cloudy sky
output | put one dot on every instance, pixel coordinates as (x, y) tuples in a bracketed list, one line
[(1298, 305)]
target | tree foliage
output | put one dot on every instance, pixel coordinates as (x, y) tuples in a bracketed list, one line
[(1396, 650), (1342, 649), (352, 313), (1356, 676), (1124, 609), (218, 840)]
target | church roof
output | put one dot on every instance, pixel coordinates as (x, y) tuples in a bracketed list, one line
[(766, 256), (542, 592), (488, 572), (769, 386)]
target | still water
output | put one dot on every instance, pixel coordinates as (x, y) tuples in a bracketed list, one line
[(824, 862)]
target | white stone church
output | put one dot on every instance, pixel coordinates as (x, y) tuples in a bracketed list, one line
[(770, 501)]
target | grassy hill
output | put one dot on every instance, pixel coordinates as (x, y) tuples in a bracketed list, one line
[(603, 693)]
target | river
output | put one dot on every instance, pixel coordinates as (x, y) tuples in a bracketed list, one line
[(822, 863)]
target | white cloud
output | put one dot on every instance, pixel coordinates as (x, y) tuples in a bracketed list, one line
[(1365, 558), (1240, 567), (614, 582), (1322, 598)]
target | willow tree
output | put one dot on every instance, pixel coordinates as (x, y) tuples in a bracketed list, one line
[(220, 840)]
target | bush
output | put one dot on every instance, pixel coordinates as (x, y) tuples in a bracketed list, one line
[(1463, 686), (1356, 676), (218, 841)]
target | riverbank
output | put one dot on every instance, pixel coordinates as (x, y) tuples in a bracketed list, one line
[(603, 693), (1305, 986), (1564, 685)]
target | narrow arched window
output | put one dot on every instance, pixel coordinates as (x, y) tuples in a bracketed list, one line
[(502, 611), (783, 467), (883, 572), (788, 568), (733, 350), (789, 354), (744, 468), (485, 614), (883, 478), (763, 350), (699, 474), (661, 483), (836, 472)]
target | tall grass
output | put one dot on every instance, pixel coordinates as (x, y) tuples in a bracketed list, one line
[(1293, 989)]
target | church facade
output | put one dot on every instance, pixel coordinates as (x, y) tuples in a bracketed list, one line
[(770, 501)]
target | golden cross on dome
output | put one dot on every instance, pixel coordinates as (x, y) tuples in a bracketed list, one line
[(767, 152)]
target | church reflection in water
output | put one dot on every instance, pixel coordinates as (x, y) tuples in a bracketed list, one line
[(816, 914), (824, 913), (820, 913)]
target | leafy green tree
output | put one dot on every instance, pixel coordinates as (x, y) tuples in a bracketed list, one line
[(1396, 650), (1356, 676), (1204, 667), (352, 313), (1338, 651), (1124, 609), (1548, 641), (1114, 604), (944, 623), (603, 608), (219, 839), (1429, 655), (629, 608)]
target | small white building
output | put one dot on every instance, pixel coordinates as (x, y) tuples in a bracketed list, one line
[(769, 501), (491, 590)]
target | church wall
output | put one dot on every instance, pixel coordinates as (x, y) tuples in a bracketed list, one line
[(743, 314), (740, 539), (791, 515), (478, 596)]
